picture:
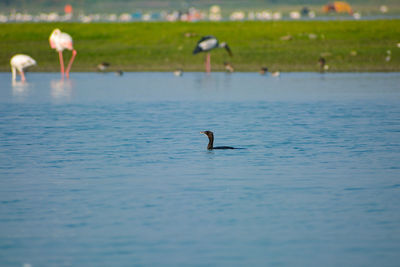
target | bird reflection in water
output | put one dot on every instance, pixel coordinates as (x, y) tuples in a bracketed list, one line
[(20, 88), (61, 88)]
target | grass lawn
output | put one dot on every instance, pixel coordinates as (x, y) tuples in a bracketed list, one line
[(163, 46)]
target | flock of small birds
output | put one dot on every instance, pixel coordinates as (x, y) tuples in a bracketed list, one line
[(230, 69), (103, 67)]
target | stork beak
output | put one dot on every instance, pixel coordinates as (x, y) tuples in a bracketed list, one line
[(228, 50)]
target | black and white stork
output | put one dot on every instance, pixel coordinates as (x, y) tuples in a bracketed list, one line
[(208, 43)]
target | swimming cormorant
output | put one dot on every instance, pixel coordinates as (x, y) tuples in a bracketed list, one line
[(210, 146)]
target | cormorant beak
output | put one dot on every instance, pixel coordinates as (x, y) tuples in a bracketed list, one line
[(228, 50), (202, 132)]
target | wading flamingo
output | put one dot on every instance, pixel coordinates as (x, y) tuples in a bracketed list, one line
[(206, 44), (20, 62), (60, 41)]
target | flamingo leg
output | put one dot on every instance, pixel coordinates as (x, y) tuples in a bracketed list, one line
[(70, 63), (14, 74), (22, 76), (61, 63), (208, 62)]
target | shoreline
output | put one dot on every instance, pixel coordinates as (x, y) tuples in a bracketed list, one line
[(217, 72)]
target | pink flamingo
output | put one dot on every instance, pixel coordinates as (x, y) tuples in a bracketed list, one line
[(20, 62), (60, 41)]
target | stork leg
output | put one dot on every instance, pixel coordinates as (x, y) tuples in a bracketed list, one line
[(70, 63), (61, 63), (208, 62), (205, 62)]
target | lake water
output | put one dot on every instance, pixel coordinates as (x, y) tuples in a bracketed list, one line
[(104, 170)]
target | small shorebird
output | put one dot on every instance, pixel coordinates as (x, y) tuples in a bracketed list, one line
[(229, 67), (263, 70), (322, 64), (103, 66), (119, 73), (276, 74), (178, 72)]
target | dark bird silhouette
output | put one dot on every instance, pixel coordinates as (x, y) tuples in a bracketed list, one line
[(208, 43), (210, 145), (263, 70), (322, 63)]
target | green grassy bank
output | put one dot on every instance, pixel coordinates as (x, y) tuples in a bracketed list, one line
[(284, 45)]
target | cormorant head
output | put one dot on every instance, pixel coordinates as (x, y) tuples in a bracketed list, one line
[(210, 136), (208, 133)]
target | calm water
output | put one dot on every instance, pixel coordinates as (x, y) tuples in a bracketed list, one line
[(112, 171)]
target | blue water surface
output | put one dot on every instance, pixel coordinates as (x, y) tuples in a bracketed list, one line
[(102, 170)]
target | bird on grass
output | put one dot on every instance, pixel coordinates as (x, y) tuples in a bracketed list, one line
[(322, 64), (208, 43), (60, 41), (18, 63), (228, 67), (211, 146), (103, 66)]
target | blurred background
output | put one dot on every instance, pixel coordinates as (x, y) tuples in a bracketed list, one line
[(193, 10)]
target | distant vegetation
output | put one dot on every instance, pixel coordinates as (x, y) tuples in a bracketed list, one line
[(162, 46), (107, 6)]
